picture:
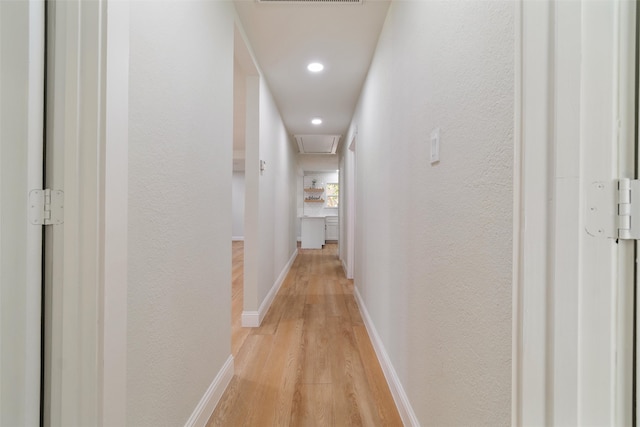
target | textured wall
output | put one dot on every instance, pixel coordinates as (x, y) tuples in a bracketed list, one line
[(181, 116), (270, 208), (433, 244), (277, 195)]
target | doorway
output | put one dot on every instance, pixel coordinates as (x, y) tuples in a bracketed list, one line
[(238, 334), (351, 208)]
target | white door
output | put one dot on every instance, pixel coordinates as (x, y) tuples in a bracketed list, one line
[(21, 136)]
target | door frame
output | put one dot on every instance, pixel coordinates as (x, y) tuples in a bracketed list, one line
[(351, 205), (571, 336), (86, 257)]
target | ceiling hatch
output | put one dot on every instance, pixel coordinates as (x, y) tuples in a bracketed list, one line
[(318, 144)]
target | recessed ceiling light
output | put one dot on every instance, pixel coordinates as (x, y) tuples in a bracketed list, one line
[(315, 67), (316, 121)]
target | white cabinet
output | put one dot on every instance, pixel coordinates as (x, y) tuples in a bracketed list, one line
[(332, 228), (312, 232)]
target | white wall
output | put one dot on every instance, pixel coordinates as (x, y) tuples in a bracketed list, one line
[(270, 209), (433, 243), (277, 194), (181, 82), (237, 205), (322, 179), (318, 162)]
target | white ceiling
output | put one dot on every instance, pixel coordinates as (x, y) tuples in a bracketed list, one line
[(286, 37)]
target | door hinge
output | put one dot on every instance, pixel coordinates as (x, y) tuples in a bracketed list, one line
[(46, 207), (613, 211)]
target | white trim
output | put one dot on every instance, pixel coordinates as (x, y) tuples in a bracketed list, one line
[(237, 238), (77, 252), (626, 58), (400, 397), (536, 199), (250, 319), (211, 397), (88, 154), (568, 329), (516, 290), (115, 217), (253, 319)]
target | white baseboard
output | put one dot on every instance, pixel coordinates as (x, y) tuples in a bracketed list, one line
[(253, 319), (250, 319), (237, 238), (399, 396), (207, 404)]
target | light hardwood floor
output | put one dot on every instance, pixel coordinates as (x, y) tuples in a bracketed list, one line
[(311, 362)]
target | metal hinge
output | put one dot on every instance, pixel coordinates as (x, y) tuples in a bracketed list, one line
[(613, 211), (628, 210), (46, 207)]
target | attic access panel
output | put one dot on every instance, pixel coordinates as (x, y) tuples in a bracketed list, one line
[(318, 144)]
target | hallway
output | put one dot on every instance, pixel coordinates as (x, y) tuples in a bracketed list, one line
[(321, 367)]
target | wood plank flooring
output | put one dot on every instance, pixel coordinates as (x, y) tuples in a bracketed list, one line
[(311, 362)]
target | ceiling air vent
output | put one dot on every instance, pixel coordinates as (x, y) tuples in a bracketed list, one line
[(318, 144), (310, 1)]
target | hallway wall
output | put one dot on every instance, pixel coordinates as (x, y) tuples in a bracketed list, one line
[(180, 151), (277, 196), (270, 203), (433, 242)]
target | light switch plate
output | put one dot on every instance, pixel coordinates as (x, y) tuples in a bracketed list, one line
[(435, 146)]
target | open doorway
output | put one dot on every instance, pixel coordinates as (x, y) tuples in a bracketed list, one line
[(348, 208), (351, 209), (237, 207), (243, 74)]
